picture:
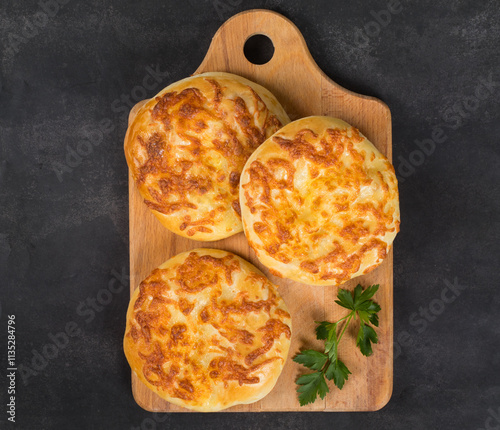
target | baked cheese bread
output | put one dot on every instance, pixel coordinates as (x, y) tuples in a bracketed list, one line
[(319, 202), (186, 148), (207, 330)]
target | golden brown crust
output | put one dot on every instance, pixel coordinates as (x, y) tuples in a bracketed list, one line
[(186, 148), (206, 330), (319, 202)]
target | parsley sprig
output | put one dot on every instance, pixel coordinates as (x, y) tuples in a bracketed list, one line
[(328, 365)]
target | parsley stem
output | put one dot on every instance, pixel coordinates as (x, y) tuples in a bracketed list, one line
[(342, 319), (346, 324)]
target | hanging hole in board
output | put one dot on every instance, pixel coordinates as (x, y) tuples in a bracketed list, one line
[(258, 49)]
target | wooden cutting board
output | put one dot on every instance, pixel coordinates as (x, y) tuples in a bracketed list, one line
[(303, 90)]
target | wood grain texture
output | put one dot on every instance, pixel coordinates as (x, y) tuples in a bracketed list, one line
[(303, 90)]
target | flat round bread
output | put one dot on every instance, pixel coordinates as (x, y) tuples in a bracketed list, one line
[(319, 202), (207, 330), (186, 148)]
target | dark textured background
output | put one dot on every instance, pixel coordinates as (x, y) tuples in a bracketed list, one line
[(60, 240)]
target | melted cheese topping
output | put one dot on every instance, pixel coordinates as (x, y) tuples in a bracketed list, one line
[(186, 148), (206, 330), (319, 202)]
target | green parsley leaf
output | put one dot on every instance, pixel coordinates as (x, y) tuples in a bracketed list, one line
[(311, 359), (339, 372), (322, 330), (368, 306), (365, 316), (366, 295), (366, 335), (345, 299), (310, 386), (331, 343), (369, 317), (328, 331), (374, 319), (357, 293)]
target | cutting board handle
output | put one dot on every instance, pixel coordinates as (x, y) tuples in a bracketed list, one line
[(289, 44)]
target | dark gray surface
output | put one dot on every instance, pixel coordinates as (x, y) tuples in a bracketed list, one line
[(61, 240)]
